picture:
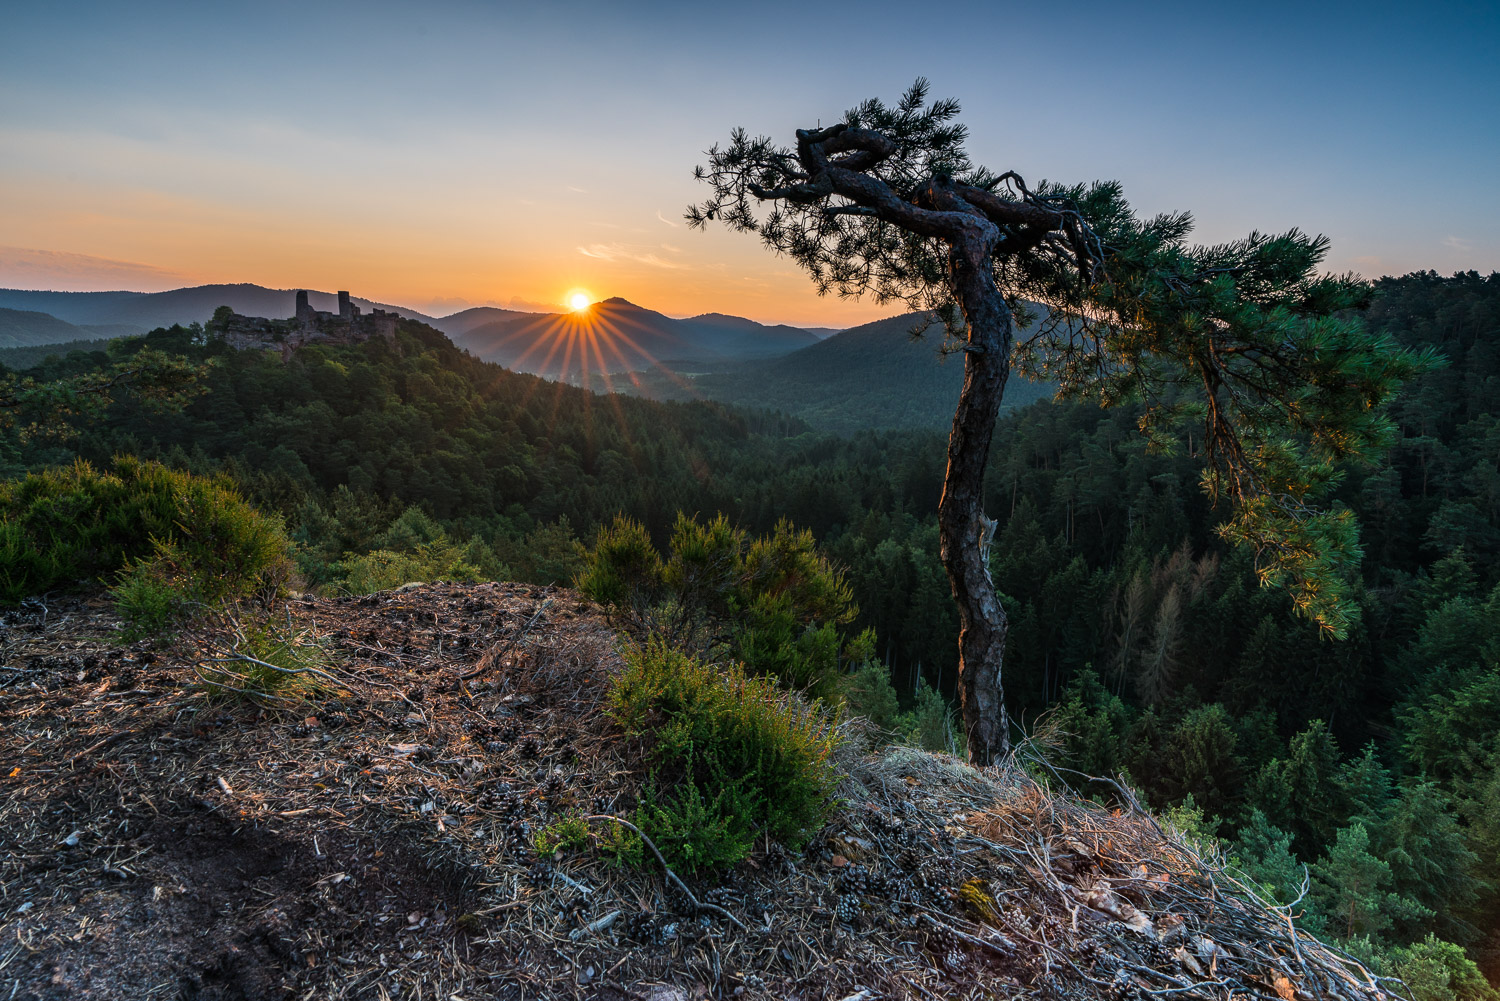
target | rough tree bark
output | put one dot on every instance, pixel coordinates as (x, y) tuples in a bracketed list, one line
[(982, 625)]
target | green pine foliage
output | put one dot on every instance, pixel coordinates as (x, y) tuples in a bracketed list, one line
[(1264, 853), (1353, 887)]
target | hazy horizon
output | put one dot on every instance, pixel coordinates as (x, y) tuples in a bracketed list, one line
[(471, 154)]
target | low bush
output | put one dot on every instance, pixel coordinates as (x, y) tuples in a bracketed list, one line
[(562, 835), (267, 665), (775, 604), (733, 757), (383, 569), (173, 542)]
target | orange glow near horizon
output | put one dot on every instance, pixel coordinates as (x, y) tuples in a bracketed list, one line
[(61, 234), (588, 348), (579, 301)]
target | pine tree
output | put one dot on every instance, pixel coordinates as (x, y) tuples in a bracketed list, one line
[(1297, 791), (1244, 341), (1352, 886), (1367, 789), (1265, 854), (1429, 857)]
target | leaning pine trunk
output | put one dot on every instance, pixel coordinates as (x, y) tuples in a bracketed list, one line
[(982, 626)]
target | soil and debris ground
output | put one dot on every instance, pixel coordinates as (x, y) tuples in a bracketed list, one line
[(158, 840)]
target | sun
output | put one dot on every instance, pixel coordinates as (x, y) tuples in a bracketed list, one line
[(579, 301)]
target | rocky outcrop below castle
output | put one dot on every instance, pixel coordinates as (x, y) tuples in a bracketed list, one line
[(309, 326)]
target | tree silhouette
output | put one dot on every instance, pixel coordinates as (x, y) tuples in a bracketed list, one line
[(1243, 340)]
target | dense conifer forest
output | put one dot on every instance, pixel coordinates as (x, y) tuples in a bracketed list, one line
[(1140, 645)]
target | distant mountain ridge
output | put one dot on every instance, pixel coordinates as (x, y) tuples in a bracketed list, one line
[(24, 328), (465, 320), (735, 335), (148, 310), (612, 336), (615, 336)]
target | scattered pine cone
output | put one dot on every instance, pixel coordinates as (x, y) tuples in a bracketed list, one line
[(643, 926)]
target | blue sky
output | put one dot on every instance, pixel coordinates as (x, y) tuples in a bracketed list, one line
[(454, 153)]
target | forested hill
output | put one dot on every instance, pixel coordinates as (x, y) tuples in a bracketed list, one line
[(872, 376), (20, 328), (1138, 644)]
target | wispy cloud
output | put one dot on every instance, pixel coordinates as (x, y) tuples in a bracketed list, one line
[(532, 305), (61, 271), (665, 219), (621, 253), (1457, 243), (448, 305), (577, 190)]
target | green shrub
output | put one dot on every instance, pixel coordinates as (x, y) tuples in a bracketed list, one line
[(695, 833), (1435, 970), (267, 665), (1432, 969), (148, 604), (733, 756), (383, 569), (624, 570), (566, 834), (174, 542), (929, 724), (774, 604)]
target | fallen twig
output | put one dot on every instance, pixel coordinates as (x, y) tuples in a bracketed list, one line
[(694, 901)]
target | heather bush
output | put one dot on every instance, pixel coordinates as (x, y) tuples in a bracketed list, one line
[(171, 542), (384, 568), (774, 604), (733, 757)]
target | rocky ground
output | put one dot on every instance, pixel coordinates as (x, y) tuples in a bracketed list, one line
[(367, 830)]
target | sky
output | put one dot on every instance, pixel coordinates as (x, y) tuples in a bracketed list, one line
[(447, 154)]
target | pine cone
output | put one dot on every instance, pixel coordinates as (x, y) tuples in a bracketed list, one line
[(642, 926)]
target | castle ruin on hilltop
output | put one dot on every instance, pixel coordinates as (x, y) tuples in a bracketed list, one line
[(308, 326)]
